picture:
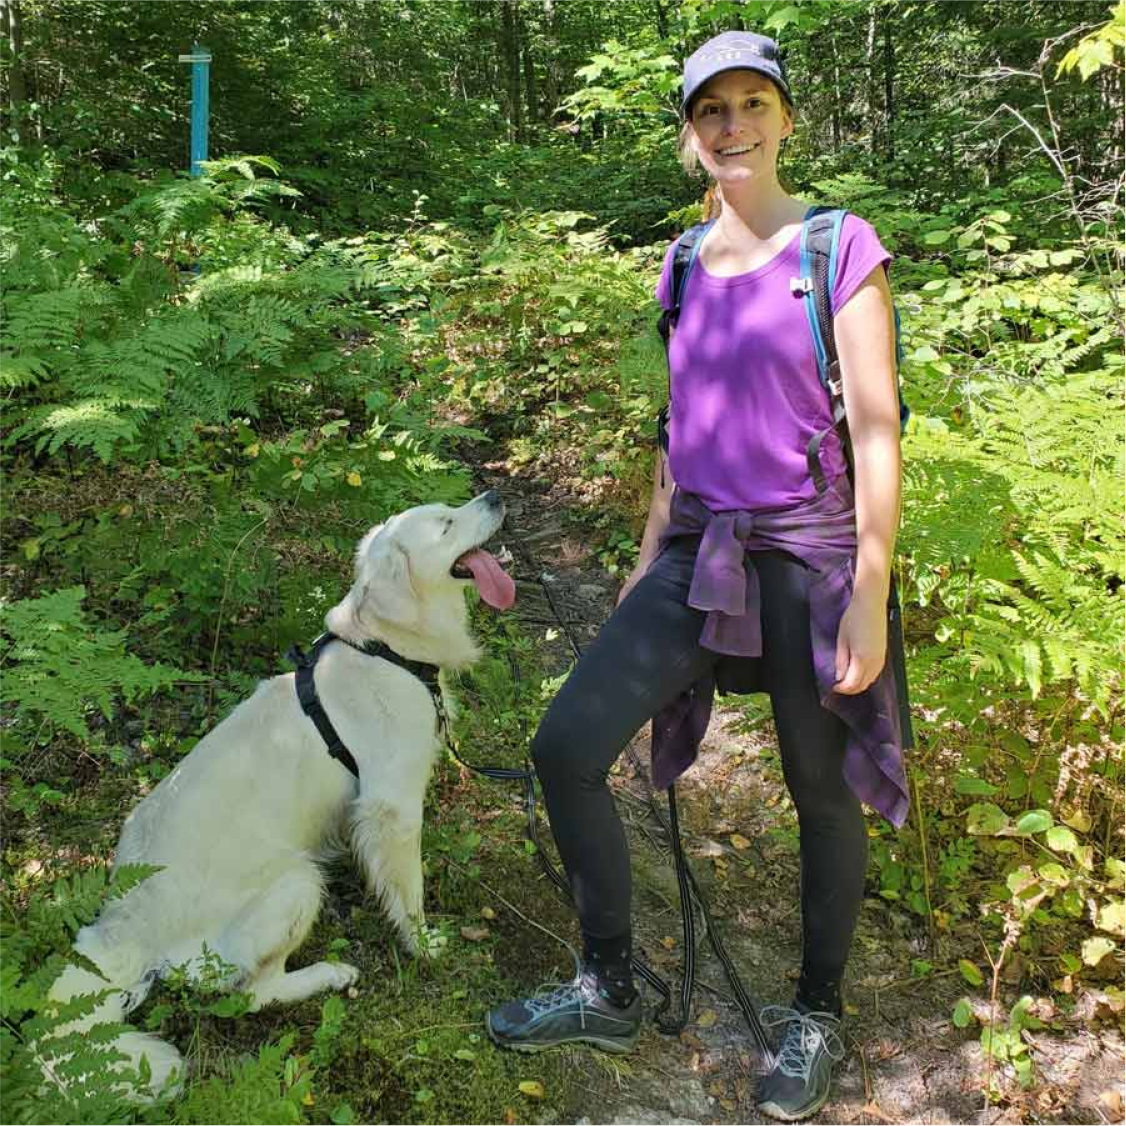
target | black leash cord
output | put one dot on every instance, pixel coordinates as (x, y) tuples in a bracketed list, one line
[(671, 1026), (690, 897)]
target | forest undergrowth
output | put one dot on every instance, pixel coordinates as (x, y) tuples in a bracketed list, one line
[(207, 407)]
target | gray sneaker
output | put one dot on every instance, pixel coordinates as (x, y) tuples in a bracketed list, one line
[(798, 1083), (578, 1011)]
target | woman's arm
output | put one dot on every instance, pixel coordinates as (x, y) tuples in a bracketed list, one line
[(865, 336), (656, 523)]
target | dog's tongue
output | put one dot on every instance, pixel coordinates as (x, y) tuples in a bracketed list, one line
[(495, 587)]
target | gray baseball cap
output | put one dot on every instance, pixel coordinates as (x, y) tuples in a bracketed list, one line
[(733, 50)]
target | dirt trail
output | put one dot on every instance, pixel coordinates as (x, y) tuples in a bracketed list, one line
[(905, 1061)]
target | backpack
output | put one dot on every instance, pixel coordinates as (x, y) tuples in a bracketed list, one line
[(820, 238)]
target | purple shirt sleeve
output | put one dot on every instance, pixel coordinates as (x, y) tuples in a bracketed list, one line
[(858, 254)]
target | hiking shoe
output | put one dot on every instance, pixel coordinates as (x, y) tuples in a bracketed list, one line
[(578, 1011), (798, 1083)]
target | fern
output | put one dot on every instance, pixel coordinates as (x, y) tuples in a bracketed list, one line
[(63, 668), (21, 371)]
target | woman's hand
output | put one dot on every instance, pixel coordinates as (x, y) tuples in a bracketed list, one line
[(862, 643)]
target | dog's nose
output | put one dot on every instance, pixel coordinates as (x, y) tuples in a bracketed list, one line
[(492, 499)]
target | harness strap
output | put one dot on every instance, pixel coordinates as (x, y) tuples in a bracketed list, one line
[(311, 704)]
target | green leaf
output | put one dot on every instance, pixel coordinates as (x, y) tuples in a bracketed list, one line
[(984, 819), (1112, 917), (1054, 873), (963, 1013), (1061, 839), (924, 354), (1096, 949), (970, 972), (968, 784), (936, 238), (1034, 821), (779, 20), (1020, 880)]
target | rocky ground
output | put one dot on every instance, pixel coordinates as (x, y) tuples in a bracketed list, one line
[(905, 1062)]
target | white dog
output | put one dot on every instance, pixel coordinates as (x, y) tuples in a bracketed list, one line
[(240, 824)]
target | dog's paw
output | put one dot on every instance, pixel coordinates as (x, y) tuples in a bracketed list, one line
[(428, 942), (344, 975)]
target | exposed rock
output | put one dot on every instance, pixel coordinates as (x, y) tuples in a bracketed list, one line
[(639, 1116), (687, 1098)]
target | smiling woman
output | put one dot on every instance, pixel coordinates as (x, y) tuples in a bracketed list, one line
[(758, 570), (735, 115)]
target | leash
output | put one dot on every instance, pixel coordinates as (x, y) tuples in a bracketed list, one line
[(691, 898), (669, 1025)]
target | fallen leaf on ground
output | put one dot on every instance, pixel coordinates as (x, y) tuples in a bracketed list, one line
[(1111, 1101), (739, 841), (874, 1110), (532, 1089), (706, 1019), (474, 934)]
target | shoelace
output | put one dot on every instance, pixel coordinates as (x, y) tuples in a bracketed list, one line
[(559, 996), (805, 1033)]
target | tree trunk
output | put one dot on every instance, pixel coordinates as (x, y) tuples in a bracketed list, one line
[(662, 15), (889, 83), (530, 96), (510, 47), (550, 66), (836, 113), (17, 83), (870, 62)]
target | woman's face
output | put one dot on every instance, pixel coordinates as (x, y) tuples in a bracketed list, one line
[(739, 120)]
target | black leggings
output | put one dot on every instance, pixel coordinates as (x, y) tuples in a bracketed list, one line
[(645, 655)]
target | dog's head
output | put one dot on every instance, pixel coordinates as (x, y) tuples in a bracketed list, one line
[(413, 569)]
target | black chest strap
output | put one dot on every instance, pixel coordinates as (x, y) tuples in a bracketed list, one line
[(314, 709)]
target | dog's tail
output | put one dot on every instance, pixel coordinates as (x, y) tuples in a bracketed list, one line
[(164, 1064)]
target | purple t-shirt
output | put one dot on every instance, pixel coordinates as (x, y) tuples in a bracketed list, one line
[(745, 394)]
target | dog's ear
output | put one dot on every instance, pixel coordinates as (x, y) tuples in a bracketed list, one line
[(384, 589)]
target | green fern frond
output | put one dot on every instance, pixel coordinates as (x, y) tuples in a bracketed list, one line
[(22, 371), (59, 668)]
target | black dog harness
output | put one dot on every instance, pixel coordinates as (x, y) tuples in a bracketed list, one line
[(314, 709)]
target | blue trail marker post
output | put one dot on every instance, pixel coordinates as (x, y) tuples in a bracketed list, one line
[(200, 58)]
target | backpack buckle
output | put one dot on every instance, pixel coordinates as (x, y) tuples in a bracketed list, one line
[(799, 287)]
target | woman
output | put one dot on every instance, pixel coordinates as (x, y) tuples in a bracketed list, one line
[(749, 571)]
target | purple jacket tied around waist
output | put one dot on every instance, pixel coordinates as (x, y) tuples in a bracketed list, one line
[(821, 533)]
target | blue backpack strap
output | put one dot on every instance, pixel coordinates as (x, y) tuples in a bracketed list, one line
[(820, 239), (683, 260)]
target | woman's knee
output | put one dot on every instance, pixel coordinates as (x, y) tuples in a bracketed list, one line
[(564, 753)]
